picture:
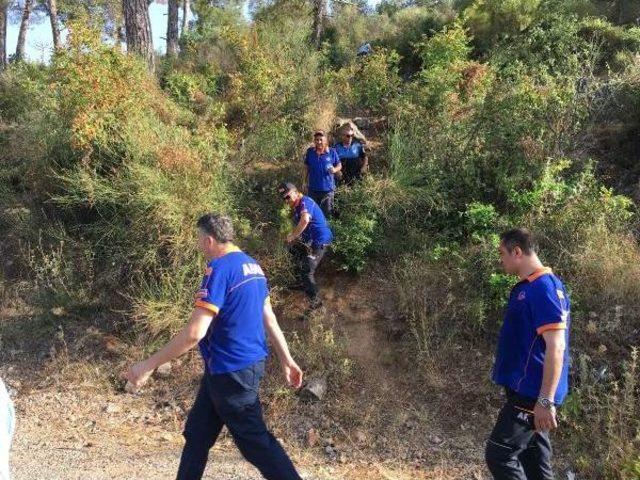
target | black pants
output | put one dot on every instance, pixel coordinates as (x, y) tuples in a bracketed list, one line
[(306, 260), (324, 200), (515, 451), (351, 170), (231, 399)]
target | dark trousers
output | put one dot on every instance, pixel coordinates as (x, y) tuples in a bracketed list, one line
[(231, 399), (324, 200), (351, 170), (306, 260), (515, 451)]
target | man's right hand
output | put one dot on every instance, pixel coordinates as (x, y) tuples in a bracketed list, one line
[(293, 374)]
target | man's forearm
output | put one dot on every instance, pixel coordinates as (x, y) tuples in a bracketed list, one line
[(299, 228), (277, 340), (553, 363), (177, 346)]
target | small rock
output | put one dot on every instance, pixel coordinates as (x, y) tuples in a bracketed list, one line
[(164, 370), (314, 390), (58, 311), (359, 436), (312, 438), (112, 344), (112, 408), (436, 440), (130, 388)]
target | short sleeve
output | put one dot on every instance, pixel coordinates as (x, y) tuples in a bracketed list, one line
[(306, 157), (304, 207), (549, 308), (361, 150), (215, 288), (335, 158)]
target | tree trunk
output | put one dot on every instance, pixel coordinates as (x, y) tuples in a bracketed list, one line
[(53, 17), (138, 29), (4, 4), (172, 28), (185, 15), (22, 33), (319, 12)]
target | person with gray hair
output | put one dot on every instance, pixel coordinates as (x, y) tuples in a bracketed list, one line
[(7, 425), (231, 319)]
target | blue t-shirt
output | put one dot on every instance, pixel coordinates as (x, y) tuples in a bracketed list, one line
[(317, 232), (236, 291), (320, 178), (353, 152), (536, 305)]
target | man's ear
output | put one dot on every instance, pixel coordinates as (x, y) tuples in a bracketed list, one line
[(517, 252)]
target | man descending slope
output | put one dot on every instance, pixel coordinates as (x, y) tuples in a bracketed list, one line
[(229, 323), (309, 239), (322, 163), (532, 364)]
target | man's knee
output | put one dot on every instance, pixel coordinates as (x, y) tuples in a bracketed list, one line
[(498, 455), (196, 435)]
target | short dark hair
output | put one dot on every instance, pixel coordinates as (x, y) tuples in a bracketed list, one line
[(519, 237), (218, 226), (319, 133)]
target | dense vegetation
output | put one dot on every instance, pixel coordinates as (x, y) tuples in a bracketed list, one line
[(497, 113)]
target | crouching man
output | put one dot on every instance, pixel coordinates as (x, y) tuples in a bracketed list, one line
[(309, 239)]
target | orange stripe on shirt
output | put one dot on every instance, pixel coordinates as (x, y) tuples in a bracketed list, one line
[(207, 306), (551, 326), (538, 273)]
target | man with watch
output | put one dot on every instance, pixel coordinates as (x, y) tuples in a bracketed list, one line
[(532, 363)]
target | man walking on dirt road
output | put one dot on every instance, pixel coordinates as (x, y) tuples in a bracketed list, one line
[(231, 316), (532, 364), (309, 239)]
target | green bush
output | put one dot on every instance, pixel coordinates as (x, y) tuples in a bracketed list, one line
[(356, 228), (491, 21), (123, 182), (376, 79)]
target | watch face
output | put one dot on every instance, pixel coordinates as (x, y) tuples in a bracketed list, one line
[(545, 402)]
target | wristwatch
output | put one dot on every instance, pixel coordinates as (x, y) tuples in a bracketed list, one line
[(545, 403)]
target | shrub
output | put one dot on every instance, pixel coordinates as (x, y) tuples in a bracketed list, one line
[(493, 20), (356, 228), (122, 180), (376, 79), (605, 409)]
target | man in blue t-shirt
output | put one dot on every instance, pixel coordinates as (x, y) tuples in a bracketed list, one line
[(352, 156), (532, 364), (230, 322), (309, 239), (322, 163)]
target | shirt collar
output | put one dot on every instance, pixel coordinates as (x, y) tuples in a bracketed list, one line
[(538, 273)]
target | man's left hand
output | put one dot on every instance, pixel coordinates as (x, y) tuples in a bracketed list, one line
[(544, 418)]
